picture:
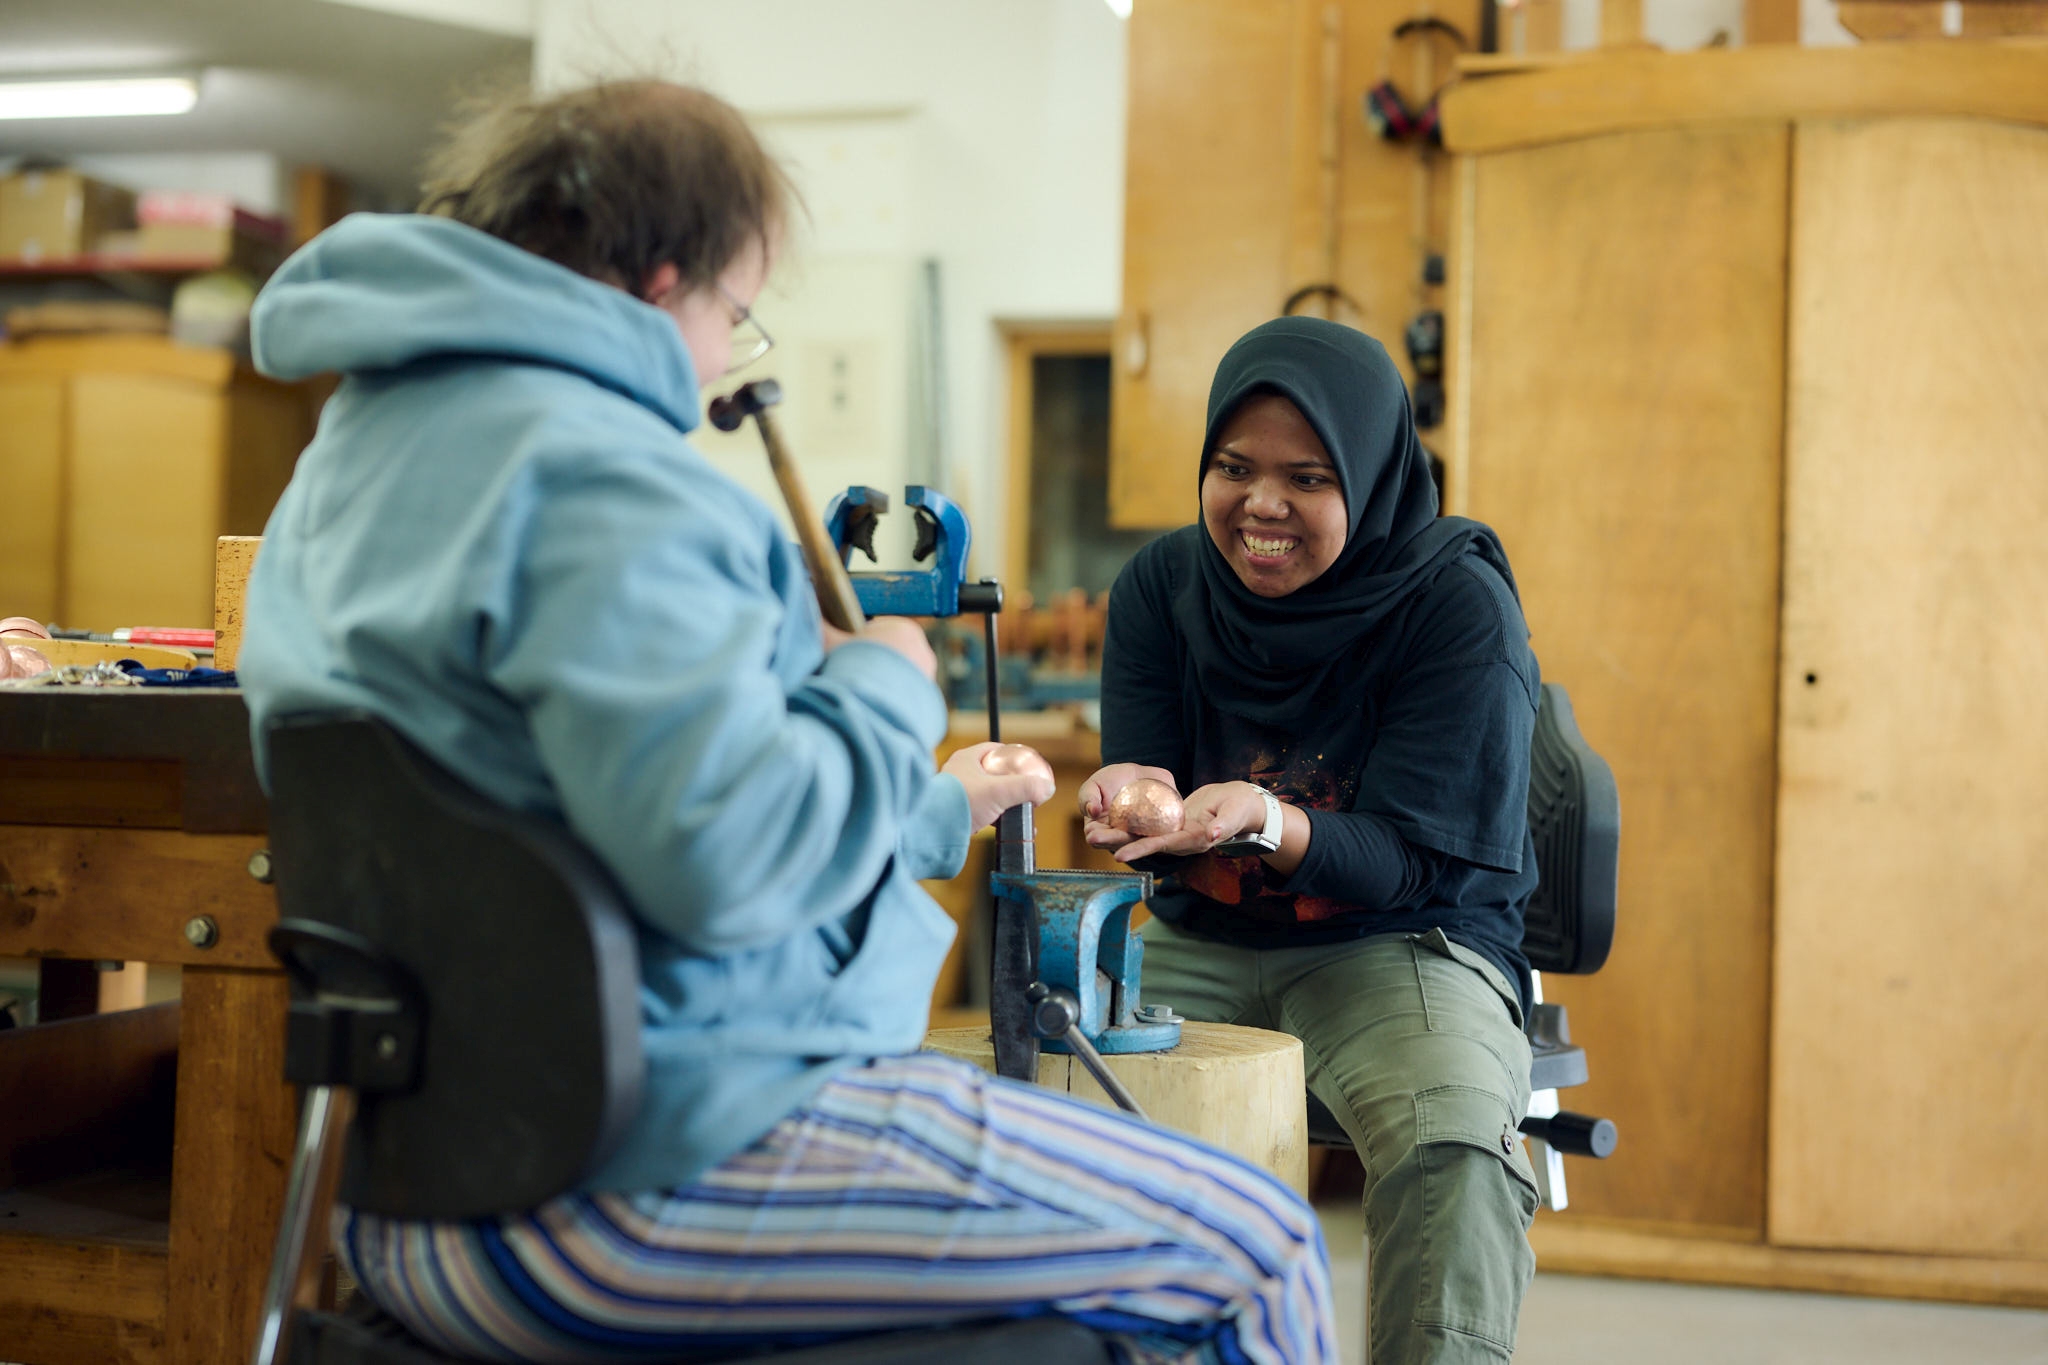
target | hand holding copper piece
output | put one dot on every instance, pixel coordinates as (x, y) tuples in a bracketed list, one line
[(1146, 808), (1006, 759)]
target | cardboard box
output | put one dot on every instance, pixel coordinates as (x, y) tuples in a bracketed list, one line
[(52, 215), (214, 246)]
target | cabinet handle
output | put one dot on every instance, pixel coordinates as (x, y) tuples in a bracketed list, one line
[(1137, 345)]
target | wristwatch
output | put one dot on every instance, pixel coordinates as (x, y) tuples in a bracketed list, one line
[(1254, 842)]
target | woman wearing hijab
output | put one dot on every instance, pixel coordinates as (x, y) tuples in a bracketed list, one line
[(1339, 682)]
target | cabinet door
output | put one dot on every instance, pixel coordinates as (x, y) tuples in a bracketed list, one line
[(1909, 1050), (1213, 110), (1624, 325), (147, 457), (31, 495)]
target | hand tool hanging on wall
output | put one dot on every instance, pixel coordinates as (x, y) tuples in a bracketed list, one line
[(836, 597), (1391, 115)]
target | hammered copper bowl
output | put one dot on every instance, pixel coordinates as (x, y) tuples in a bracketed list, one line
[(1005, 759), (22, 661), (1146, 808)]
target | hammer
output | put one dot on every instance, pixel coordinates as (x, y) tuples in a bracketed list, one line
[(828, 575)]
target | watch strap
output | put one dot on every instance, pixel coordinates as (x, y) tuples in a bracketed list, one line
[(1264, 840)]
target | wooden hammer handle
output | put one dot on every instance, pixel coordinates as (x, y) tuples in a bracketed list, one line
[(836, 598)]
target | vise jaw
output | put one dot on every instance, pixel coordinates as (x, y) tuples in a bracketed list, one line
[(943, 537), (1085, 945)]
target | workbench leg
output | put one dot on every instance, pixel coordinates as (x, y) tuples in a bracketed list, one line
[(236, 1121)]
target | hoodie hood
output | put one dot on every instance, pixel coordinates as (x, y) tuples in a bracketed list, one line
[(382, 291)]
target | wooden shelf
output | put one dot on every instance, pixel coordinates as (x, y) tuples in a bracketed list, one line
[(100, 264)]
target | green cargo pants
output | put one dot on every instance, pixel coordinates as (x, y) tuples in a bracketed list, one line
[(1415, 1044)]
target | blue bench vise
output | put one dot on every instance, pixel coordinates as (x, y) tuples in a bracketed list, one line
[(943, 536), (1066, 963)]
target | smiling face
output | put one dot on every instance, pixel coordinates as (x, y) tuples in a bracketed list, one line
[(1270, 498)]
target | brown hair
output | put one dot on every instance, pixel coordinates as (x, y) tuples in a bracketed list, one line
[(614, 180)]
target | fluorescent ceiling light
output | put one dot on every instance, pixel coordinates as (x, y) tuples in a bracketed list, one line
[(102, 97), (1120, 8)]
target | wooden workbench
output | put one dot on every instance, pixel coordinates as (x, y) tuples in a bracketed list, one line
[(132, 1228)]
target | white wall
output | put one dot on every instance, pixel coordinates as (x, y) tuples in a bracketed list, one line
[(1011, 116)]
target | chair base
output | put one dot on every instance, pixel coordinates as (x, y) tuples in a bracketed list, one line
[(370, 1338)]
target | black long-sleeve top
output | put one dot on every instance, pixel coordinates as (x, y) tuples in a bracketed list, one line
[(1414, 773)]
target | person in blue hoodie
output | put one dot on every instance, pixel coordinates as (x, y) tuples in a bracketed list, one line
[(502, 542)]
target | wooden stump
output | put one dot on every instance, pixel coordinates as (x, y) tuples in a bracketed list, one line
[(1241, 1089)]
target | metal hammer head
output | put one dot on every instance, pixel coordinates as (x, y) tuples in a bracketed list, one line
[(729, 410)]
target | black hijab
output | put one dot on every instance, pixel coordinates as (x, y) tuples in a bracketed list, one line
[(1274, 660)]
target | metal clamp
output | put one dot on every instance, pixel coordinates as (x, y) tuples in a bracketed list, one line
[(1055, 1015)]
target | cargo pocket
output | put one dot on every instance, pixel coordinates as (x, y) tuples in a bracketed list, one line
[(1478, 1199)]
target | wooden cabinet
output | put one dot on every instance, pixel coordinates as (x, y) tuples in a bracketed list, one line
[(1745, 368), (1909, 1053), (1250, 173), (1620, 426), (121, 460)]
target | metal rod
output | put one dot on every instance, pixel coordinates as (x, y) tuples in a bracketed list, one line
[(988, 649), (1099, 1069), (1056, 1013), (316, 1167)]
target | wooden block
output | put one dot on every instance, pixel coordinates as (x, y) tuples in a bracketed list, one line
[(1241, 1089), (235, 1130), (233, 558), (128, 894), (102, 1086)]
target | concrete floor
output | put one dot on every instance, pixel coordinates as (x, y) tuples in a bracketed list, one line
[(1580, 1320)]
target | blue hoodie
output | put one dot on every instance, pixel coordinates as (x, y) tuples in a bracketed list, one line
[(501, 542)]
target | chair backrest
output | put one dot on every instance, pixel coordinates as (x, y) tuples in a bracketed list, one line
[(1575, 820), (518, 940)]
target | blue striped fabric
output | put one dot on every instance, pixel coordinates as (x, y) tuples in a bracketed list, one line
[(914, 1191)]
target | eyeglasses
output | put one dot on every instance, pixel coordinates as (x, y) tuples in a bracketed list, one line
[(750, 339)]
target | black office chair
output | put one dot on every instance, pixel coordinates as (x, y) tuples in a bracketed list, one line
[(465, 1029), (1575, 819)]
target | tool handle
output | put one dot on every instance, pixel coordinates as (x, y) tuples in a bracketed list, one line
[(1055, 1013), (829, 579), (183, 636)]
